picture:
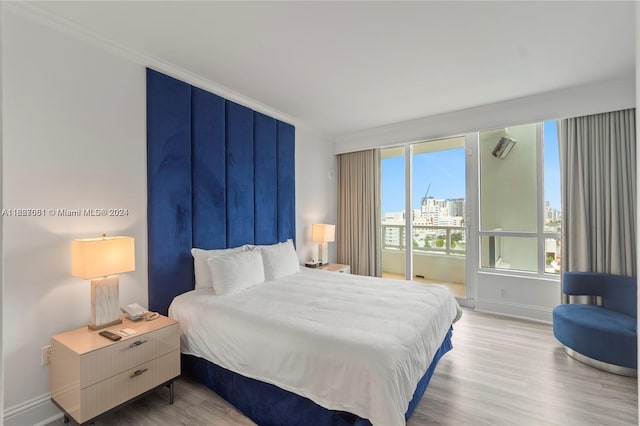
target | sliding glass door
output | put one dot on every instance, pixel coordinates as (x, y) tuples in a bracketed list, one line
[(428, 204)]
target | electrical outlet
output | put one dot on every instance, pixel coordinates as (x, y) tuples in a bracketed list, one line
[(503, 292), (46, 355)]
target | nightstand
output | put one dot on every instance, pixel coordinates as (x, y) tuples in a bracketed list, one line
[(90, 374), (336, 267)]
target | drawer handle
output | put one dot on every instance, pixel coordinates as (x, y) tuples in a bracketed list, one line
[(138, 372), (137, 343)]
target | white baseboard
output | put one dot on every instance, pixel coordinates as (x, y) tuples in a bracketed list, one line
[(529, 312), (37, 411)]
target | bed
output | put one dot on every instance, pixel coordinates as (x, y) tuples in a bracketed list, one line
[(346, 342), (220, 175)]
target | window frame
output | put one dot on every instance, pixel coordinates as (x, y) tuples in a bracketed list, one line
[(541, 235)]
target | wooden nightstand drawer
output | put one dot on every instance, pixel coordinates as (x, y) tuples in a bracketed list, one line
[(127, 353), (114, 391)]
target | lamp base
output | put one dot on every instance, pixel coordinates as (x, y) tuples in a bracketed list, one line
[(94, 327), (105, 309), (323, 253)]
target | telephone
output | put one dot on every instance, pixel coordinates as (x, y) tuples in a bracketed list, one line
[(134, 311)]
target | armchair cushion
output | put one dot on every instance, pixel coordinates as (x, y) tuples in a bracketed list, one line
[(619, 292)]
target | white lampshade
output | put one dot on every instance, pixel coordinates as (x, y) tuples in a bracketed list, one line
[(99, 257), (323, 233), (94, 259)]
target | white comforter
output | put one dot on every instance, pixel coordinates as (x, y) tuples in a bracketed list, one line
[(347, 342)]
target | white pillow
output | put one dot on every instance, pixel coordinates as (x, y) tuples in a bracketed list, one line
[(235, 272), (200, 267), (279, 260)]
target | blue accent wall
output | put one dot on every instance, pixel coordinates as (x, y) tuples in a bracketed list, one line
[(240, 189), (286, 181), (208, 173), (218, 175), (169, 194), (266, 178)]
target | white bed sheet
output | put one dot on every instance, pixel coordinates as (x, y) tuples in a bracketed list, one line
[(347, 342)]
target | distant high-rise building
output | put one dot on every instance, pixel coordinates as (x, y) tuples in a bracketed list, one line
[(441, 212), (394, 217), (393, 236), (432, 212), (551, 214), (456, 207)]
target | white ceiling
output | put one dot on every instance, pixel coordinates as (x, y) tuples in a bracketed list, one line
[(348, 66)]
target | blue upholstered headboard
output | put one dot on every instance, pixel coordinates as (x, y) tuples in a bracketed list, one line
[(218, 175)]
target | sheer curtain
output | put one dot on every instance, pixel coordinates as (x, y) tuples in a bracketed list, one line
[(598, 168), (358, 230)]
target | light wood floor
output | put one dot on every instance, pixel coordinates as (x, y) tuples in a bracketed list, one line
[(501, 371)]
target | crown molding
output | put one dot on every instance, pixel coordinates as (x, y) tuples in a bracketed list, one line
[(73, 29)]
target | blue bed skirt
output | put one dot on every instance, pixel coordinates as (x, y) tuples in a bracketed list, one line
[(268, 405)]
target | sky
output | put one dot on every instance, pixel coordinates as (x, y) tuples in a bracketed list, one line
[(443, 174), (551, 164)]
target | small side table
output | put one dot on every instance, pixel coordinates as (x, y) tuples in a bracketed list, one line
[(90, 374), (336, 267)]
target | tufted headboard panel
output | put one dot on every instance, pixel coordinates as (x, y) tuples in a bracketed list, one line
[(218, 175)]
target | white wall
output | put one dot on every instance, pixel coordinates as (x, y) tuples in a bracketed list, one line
[(75, 137), (517, 295), (572, 102), (316, 193)]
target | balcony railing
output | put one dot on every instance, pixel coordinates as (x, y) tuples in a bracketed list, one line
[(426, 239)]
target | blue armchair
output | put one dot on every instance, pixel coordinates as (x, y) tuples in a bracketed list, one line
[(604, 336)]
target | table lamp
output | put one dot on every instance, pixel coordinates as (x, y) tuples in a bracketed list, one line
[(96, 259), (323, 234)]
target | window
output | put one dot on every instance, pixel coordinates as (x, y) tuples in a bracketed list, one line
[(520, 199)]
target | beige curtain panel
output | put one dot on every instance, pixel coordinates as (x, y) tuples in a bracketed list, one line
[(598, 185), (358, 230)]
